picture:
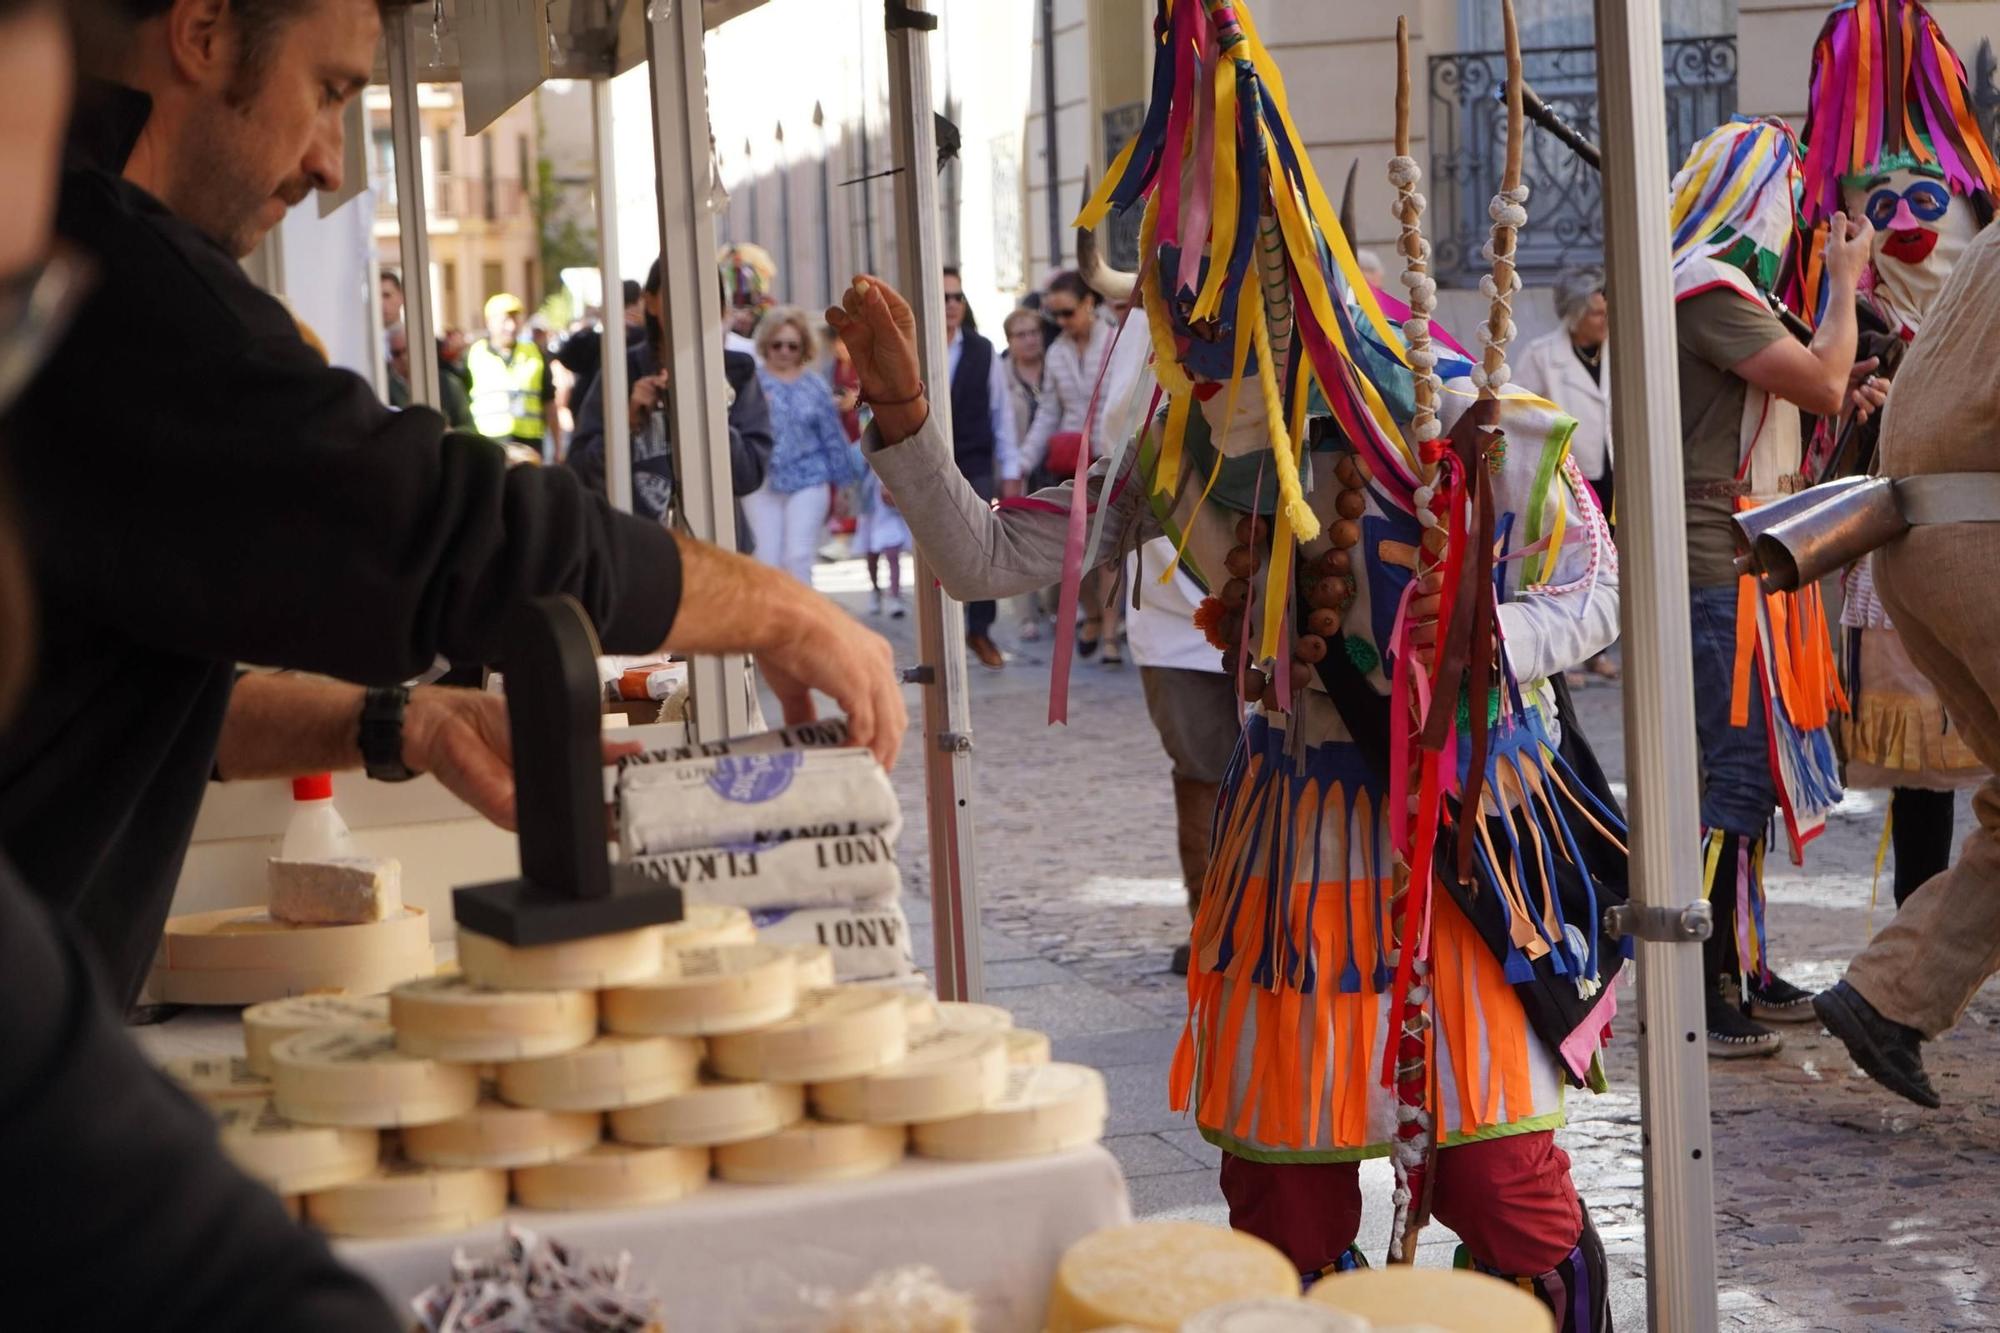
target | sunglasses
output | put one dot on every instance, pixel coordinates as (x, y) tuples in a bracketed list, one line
[(954, 298), (1061, 311), (783, 345)]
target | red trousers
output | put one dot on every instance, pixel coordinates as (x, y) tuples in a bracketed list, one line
[(1509, 1199)]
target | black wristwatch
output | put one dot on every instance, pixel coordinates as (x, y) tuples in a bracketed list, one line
[(382, 734)]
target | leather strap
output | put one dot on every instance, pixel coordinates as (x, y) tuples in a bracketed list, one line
[(1949, 497)]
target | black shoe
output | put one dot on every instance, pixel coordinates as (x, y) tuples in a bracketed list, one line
[(1731, 1036), (1779, 1001), (1887, 1052), (1182, 953)]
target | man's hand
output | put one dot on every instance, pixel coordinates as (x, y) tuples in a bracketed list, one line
[(461, 738), (834, 654), (646, 394), (1867, 391), (881, 336), (1848, 249)]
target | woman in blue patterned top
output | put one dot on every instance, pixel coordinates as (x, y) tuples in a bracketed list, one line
[(810, 453)]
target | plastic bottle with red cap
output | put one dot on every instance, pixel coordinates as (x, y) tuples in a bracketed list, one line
[(316, 831)]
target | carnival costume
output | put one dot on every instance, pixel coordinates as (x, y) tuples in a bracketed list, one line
[(1890, 135), (1398, 950), (1733, 222)]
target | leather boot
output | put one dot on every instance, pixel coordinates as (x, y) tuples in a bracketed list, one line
[(1194, 816)]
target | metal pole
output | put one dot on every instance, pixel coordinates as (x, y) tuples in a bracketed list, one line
[(691, 313), (406, 133), (828, 283), (615, 392), (947, 719), (1051, 139), (1659, 700), (785, 205)]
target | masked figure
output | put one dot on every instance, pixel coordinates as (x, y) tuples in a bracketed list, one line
[(1397, 950)]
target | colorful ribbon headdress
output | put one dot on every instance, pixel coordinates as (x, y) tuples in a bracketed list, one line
[(1888, 92), (1734, 200), (1244, 269)]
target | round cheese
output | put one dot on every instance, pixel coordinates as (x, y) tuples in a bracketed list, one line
[(1157, 1274), (965, 1017), (356, 1076), (707, 989), (1455, 1300), (814, 963), (812, 1150), (921, 1009), (292, 1158), (250, 938), (586, 964), (1042, 1109), (215, 1078), (614, 1175), (496, 1134), (610, 1072), (713, 1113), (369, 975), (267, 1024), (839, 1032), (709, 924), (1273, 1316), (946, 1074), (452, 1018), (405, 1199), (1025, 1046)]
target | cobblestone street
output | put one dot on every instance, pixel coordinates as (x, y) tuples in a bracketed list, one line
[(1839, 1207)]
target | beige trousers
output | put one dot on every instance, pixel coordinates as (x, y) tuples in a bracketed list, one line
[(1944, 942)]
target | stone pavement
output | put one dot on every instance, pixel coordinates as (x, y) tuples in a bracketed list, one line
[(1838, 1206)]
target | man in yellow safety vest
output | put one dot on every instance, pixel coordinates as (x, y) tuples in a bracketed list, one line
[(511, 398)]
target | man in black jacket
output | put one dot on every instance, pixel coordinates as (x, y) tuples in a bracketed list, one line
[(235, 499), (652, 446)]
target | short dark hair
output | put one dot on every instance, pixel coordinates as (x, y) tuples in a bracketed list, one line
[(1070, 283), (258, 23), (393, 278), (632, 292)]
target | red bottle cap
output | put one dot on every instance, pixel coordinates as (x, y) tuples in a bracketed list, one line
[(313, 787)]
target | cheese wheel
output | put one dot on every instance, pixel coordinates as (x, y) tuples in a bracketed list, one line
[(1025, 1046), (1043, 1109), (839, 1032), (585, 964), (964, 1017), (1456, 1300), (814, 963), (1156, 1274), (292, 1158), (709, 924), (812, 1150), (250, 938), (452, 1018), (356, 1076), (712, 1113), (496, 1134), (371, 974), (267, 1024), (920, 1009), (707, 989), (614, 1175), (404, 1199), (946, 1074), (215, 1078), (610, 1072), (1273, 1316)]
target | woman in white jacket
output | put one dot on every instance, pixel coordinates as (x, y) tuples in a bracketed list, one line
[(1569, 367)]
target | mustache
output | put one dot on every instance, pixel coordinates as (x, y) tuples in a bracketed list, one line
[(295, 190)]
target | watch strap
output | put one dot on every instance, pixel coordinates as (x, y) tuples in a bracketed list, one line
[(382, 733)]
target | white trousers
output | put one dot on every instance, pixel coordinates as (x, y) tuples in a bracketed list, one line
[(788, 528)]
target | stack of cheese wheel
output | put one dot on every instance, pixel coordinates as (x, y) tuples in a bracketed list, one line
[(1042, 1108), (1155, 1275), (244, 955), (1448, 1301), (265, 1025)]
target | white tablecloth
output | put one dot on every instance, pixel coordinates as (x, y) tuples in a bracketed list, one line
[(734, 1258)]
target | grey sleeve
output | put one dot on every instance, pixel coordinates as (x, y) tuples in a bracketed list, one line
[(978, 551)]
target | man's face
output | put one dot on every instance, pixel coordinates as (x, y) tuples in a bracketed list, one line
[(743, 319), (258, 140), (954, 304), (506, 328), (399, 353), (392, 304)]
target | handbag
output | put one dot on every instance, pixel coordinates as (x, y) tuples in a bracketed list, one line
[(1065, 451)]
